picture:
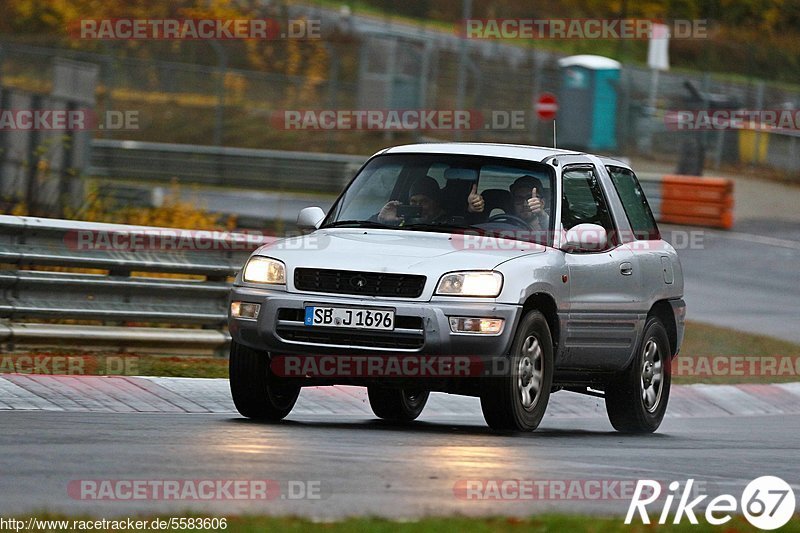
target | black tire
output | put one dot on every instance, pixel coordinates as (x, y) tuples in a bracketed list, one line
[(503, 401), (636, 399), (398, 405), (257, 392)]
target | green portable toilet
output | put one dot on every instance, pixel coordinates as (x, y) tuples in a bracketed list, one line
[(587, 115)]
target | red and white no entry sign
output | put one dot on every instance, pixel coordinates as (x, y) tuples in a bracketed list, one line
[(546, 106)]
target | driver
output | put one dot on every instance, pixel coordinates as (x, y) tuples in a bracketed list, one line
[(425, 193), (526, 202)]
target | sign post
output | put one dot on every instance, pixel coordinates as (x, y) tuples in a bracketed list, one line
[(546, 109)]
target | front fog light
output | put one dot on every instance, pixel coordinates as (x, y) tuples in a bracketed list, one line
[(485, 326), (245, 310)]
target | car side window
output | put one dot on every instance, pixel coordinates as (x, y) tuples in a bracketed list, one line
[(583, 201), (436, 171), (635, 204)]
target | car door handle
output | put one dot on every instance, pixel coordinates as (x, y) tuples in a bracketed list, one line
[(626, 269)]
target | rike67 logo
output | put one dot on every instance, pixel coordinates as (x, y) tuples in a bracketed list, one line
[(767, 503)]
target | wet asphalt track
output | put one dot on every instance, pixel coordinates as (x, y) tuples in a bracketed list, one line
[(364, 466), (748, 279)]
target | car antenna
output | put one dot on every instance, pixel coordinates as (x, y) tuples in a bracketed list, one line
[(554, 133)]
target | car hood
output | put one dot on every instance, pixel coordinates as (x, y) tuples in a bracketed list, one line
[(399, 251)]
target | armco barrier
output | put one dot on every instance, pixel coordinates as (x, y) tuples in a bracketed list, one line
[(32, 299), (244, 168), (690, 200)]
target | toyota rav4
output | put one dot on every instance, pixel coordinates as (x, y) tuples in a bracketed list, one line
[(511, 272)]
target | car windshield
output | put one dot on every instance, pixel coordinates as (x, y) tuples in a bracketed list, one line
[(451, 194)]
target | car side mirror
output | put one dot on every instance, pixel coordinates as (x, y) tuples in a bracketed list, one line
[(310, 218), (586, 238)]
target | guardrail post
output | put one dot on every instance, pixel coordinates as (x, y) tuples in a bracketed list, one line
[(219, 115), (31, 196)]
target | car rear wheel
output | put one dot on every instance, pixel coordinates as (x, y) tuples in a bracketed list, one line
[(636, 400), (257, 392), (399, 405), (517, 400)]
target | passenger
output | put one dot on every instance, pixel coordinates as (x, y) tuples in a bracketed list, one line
[(424, 193), (527, 202)]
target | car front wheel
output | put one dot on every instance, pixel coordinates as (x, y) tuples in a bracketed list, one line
[(636, 400), (257, 392), (518, 399)]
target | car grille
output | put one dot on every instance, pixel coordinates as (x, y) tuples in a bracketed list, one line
[(407, 335), (361, 283)]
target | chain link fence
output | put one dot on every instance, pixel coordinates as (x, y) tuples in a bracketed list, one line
[(190, 103)]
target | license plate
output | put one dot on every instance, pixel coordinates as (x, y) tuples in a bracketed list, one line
[(350, 317)]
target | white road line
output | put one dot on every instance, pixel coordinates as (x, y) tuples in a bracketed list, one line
[(756, 239)]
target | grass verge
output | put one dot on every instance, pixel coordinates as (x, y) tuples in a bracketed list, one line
[(702, 343)]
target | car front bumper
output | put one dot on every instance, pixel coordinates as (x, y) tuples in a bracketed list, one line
[(420, 327)]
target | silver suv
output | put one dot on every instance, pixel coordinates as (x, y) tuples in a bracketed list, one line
[(504, 272)]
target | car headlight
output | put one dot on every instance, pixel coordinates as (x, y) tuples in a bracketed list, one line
[(484, 284), (264, 270)]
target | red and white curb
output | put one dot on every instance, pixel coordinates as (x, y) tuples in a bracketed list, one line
[(120, 394)]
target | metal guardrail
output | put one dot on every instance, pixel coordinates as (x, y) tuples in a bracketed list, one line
[(254, 169), (117, 296), (215, 165), (249, 168)]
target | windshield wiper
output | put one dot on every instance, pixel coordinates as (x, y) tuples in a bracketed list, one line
[(357, 224), (444, 228), (441, 228)]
